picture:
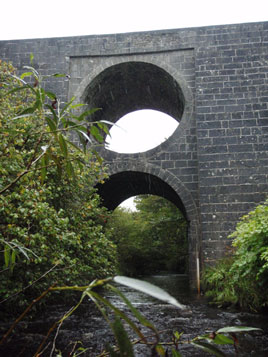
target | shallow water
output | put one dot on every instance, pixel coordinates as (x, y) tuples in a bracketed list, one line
[(87, 325)]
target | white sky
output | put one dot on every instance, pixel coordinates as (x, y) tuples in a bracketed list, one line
[(22, 19), (140, 131)]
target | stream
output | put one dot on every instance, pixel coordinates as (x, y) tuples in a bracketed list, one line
[(86, 327)]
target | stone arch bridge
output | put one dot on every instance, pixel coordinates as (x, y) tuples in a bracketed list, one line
[(212, 80)]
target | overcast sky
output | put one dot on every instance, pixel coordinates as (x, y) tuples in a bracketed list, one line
[(23, 19), (141, 131)]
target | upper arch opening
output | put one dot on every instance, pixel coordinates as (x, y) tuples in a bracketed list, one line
[(130, 86)]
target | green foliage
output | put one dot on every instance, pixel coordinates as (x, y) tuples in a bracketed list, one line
[(151, 239), (52, 227), (36, 128), (217, 282), (243, 278)]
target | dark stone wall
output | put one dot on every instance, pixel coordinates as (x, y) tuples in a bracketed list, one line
[(213, 80), (232, 127)]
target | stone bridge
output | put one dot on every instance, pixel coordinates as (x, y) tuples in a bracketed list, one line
[(212, 80)]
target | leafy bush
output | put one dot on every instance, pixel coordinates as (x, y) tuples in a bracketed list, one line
[(52, 227), (243, 278)]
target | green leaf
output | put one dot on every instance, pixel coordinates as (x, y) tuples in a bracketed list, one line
[(63, 145), (71, 124), (42, 94), (50, 95), (237, 329), (70, 169), (82, 128), (177, 335), (26, 74), (67, 105), (33, 70), (103, 127), (7, 255), (149, 289), (58, 75), (28, 110), (80, 164), (94, 131), (13, 260), (208, 348), (218, 339), (55, 117), (98, 157), (87, 113), (124, 344), (39, 99), (56, 160), (74, 106), (223, 340), (51, 124), (37, 104), (83, 141), (13, 257), (43, 168), (176, 353)]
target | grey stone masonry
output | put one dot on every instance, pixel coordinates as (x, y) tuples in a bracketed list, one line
[(212, 80)]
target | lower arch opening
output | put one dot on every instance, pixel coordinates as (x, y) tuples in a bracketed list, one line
[(120, 186), (154, 238)]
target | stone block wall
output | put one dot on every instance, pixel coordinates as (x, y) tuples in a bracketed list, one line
[(217, 159), (232, 127)]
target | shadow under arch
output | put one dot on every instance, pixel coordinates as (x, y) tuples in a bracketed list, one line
[(143, 179), (123, 185), (134, 85)]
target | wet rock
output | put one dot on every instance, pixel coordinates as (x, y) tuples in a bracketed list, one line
[(87, 336)]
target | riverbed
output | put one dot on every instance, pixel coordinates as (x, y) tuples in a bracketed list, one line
[(87, 329)]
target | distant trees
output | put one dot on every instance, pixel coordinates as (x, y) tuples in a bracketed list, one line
[(151, 239)]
